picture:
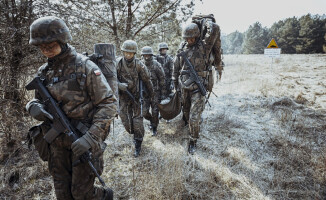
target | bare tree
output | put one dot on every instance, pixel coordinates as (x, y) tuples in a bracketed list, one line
[(118, 20)]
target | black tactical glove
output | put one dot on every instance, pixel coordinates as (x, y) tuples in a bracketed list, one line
[(123, 86), (83, 144), (38, 112)]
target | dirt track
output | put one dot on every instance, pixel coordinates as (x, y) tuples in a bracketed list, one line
[(262, 138)]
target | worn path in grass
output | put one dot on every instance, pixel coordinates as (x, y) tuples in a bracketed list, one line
[(251, 145), (262, 138)]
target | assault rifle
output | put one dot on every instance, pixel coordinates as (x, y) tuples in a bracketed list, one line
[(61, 124), (193, 74), (141, 96), (127, 91)]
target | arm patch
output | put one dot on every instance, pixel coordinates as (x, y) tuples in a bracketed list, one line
[(97, 72)]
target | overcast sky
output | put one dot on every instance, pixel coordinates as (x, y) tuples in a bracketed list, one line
[(234, 15)]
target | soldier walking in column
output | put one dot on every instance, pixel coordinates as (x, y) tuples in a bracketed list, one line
[(158, 81), (85, 98), (195, 53), (167, 65), (131, 74)]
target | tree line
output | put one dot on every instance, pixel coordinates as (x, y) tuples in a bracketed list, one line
[(303, 35), (148, 22)]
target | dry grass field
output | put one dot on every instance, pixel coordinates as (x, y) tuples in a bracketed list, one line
[(263, 137)]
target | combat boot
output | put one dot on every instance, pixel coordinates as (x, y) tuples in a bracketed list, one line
[(192, 147), (154, 133), (137, 147)]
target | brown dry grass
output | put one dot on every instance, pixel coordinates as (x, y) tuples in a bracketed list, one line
[(263, 138)]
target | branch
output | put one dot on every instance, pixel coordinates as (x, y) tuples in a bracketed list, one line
[(153, 17), (137, 7), (93, 13)]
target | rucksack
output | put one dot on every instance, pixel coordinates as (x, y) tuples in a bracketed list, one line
[(215, 43), (104, 57)]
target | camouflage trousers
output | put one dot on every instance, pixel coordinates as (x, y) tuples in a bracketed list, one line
[(130, 114), (152, 117), (73, 182), (193, 106)]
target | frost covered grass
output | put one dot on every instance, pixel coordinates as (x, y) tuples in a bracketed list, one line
[(262, 138)]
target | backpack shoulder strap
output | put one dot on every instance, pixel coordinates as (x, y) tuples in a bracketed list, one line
[(80, 69)]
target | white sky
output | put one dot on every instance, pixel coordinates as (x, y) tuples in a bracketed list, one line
[(232, 15)]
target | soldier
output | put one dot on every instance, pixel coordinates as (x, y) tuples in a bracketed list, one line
[(192, 100), (158, 81), (88, 101), (131, 72), (167, 65)]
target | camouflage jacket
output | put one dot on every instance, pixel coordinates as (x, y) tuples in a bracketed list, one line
[(157, 76), (131, 72), (200, 57), (167, 65), (81, 91)]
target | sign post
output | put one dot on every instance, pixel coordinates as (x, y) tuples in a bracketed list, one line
[(272, 51)]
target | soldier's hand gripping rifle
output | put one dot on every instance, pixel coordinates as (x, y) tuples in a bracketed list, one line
[(61, 123), (127, 91), (193, 74)]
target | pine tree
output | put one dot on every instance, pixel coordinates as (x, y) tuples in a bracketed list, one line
[(256, 39)]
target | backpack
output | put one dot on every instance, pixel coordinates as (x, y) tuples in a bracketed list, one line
[(104, 57), (215, 57)]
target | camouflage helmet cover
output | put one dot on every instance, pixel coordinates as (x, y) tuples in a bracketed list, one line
[(49, 29), (190, 31), (162, 45), (147, 50), (129, 46)]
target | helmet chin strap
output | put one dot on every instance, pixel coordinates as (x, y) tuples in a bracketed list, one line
[(196, 41), (163, 54), (129, 60), (64, 47), (148, 59)]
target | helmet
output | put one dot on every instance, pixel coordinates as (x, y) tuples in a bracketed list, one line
[(162, 45), (49, 29), (190, 31), (147, 50), (129, 46)]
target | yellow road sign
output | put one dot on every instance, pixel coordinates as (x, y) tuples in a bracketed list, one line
[(272, 44)]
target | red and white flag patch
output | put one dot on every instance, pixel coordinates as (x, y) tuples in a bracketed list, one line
[(97, 72)]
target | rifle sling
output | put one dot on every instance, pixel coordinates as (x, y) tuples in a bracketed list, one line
[(77, 75), (202, 73), (56, 130)]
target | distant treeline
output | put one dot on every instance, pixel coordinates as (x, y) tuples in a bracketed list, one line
[(305, 35)]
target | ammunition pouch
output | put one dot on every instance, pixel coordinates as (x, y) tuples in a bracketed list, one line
[(41, 145)]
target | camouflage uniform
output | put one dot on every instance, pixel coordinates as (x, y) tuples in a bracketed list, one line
[(130, 72), (158, 81), (167, 65), (86, 98), (193, 101)]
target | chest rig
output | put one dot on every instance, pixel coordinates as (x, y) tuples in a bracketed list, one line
[(78, 74), (129, 75)]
